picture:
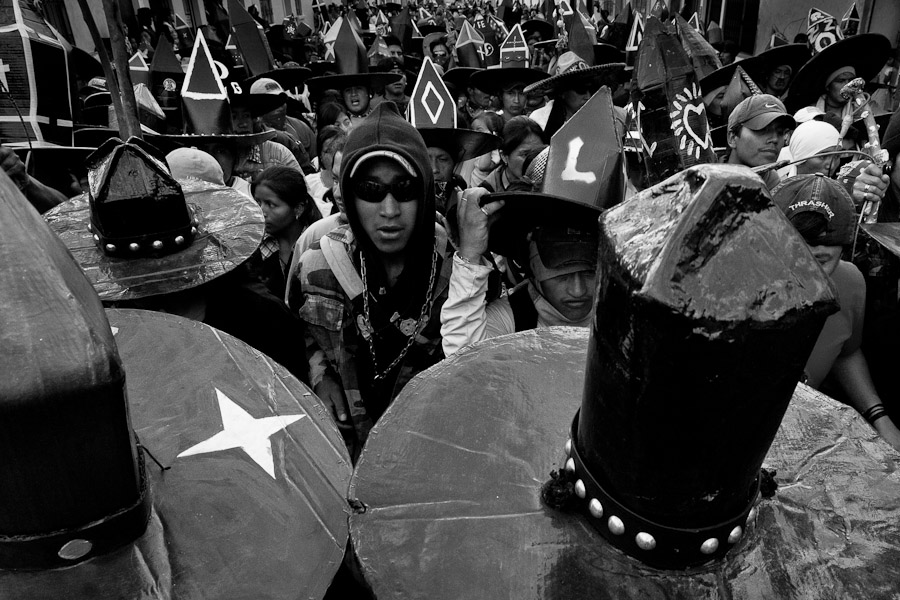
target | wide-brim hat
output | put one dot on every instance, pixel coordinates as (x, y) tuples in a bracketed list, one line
[(287, 78), (459, 76), (220, 526), (866, 53), (321, 67), (241, 140), (461, 144), (544, 28), (462, 487), (230, 228), (604, 74), (318, 85), (719, 78), (607, 53), (793, 55), (497, 79)]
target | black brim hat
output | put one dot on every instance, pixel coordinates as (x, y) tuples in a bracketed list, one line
[(230, 227), (604, 74), (543, 28), (318, 85), (240, 140), (459, 76), (248, 496), (496, 80), (718, 78), (793, 55), (866, 53), (607, 53), (461, 144), (472, 500)]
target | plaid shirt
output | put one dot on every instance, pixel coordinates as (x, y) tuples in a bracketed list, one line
[(332, 340)]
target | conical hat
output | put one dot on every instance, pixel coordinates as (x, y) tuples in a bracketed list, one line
[(250, 39), (432, 110), (513, 67), (351, 62), (139, 69), (251, 501)]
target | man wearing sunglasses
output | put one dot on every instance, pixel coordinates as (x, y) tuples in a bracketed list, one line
[(570, 86), (371, 290)]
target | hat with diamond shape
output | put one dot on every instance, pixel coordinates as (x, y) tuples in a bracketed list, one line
[(432, 110)]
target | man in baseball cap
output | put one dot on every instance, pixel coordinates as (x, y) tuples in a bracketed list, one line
[(756, 133)]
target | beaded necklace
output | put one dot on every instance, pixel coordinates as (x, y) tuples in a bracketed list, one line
[(407, 327)]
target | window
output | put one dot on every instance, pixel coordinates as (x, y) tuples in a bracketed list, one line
[(738, 19)]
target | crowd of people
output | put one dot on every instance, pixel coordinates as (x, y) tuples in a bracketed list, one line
[(390, 248)]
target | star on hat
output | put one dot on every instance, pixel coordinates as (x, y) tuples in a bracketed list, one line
[(241, 430)]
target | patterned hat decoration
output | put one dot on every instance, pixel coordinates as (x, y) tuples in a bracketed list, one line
[(139, 70), (513, 67), (382, 25), (351, 62), (514, 52), (469, 47), (822, 30), (570, 68), (703, 56), (490, 50), (237, 59), (185, 33), (669, 105), (635, 37), (251, 39), (166, 79), (377, 51), (694, 22), (583, 175), (850, 21), (432, 110)]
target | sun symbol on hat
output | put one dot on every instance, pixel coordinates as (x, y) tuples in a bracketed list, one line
[(689, 123)]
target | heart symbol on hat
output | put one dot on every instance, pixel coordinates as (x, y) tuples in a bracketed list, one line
[(695, 124)]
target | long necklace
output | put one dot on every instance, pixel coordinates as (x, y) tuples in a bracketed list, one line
[(367, 330)]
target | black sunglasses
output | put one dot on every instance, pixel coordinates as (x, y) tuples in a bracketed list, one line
[(369, 190)]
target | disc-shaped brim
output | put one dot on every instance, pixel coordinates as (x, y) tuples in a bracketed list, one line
[(494, 81), (866, 53), (288, 78), (454, 470), (522, 212), (222, 525), (459, 76), (609, 75), (793, 55), (241, 140), (317, 85), (461, 144), (230, 228)]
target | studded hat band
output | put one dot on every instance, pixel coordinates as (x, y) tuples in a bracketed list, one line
[(657, 545), (72, 546)]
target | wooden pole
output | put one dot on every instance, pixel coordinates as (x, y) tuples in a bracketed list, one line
[(130, 125), (126, 113)]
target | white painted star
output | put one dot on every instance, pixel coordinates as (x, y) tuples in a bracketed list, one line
[(240, 430)]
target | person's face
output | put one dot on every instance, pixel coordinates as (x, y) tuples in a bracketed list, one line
[(241, 119), (715, 107), (817, 164), (441, 164), (395, 51), (441, 55), (479, 98), (516, 159), (336, 177), (828, 257), (760, 147), (398, 88), (388, 223), (575, 99), (356, 99), (726, 57), (779, 79), (833, 91), (276, 119), (344, 122), (514, 101), (571, 294), (277, 213)]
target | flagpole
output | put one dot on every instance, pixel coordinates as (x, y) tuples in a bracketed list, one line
[(129, 124)]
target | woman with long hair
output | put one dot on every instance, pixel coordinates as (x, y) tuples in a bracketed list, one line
[(288, 210)]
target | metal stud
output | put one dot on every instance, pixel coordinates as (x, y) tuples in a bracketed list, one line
[(179, 240), (595, 508), (616, 526), (157, 245), (579, 489), (735, 535), (133, 247), (569, 446), (645, 541), (570, 465), (709, 546), (96, 239), (752, 515), (110, 247), (74, 549), (193, 231)]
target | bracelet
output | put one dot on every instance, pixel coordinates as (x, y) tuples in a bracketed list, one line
[(873, 413)]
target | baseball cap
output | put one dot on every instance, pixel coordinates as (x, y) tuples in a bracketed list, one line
[(264, 85), (567, 247), (757, 112), (808, 113), (822, 195)]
